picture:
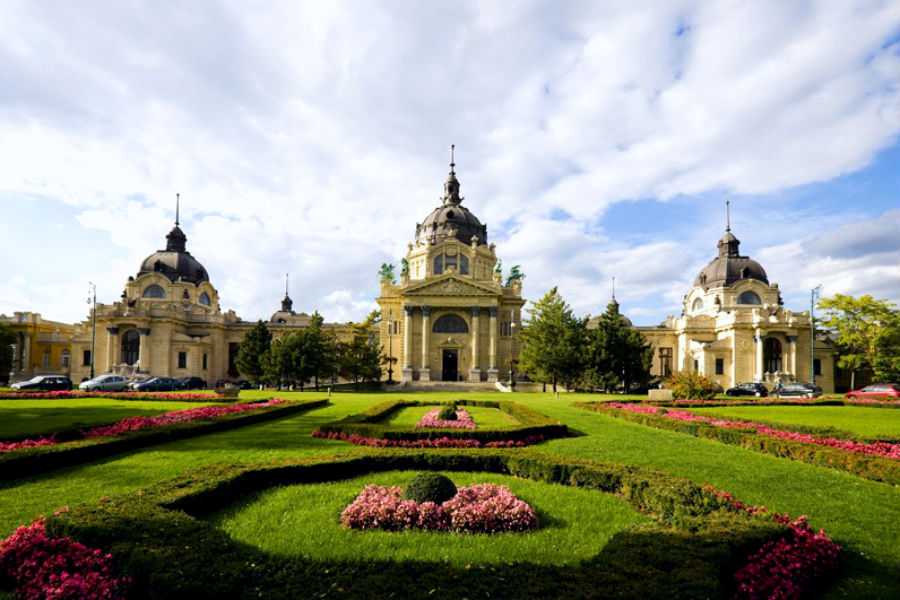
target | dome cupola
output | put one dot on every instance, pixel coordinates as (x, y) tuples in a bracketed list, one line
[(729, 266), (451, 219), (175, 262)]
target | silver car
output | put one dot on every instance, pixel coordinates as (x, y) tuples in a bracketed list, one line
[(105, 383)]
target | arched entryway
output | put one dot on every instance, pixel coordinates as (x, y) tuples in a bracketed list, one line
[(772, 355), (131, 347)]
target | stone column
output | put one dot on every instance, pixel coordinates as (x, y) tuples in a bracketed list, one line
[(759, 354), (112, 347), (492, 350), (792, 340), (144, 351), (425, 370), (475, 371), (734, 359), (407, 343)]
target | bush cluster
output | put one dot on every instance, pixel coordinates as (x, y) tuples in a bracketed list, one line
[(447, 413), (430, 487), (687, 385)]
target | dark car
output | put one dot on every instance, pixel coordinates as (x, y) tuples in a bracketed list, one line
[(875, 391), (191, 383), (44, 383), (156, 384), (798, 390), (748, 389)]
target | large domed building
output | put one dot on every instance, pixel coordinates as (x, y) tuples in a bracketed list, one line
[(734, 328), (450, 317)]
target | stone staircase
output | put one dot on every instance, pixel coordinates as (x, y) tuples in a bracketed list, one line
[(446, 386)]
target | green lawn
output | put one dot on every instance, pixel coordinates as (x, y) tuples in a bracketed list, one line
[(304, 520), (861, 515), (35, 417), (484, 417), (859, 421)]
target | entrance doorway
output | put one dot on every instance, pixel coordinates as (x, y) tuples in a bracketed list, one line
[(450, 365)]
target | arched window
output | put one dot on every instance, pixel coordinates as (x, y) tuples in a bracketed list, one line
[(772, 355), (749, 298), (204, 299), (463, 264), (154, 291), (438, 264), (450, 324), (131, 346), (697, 306)]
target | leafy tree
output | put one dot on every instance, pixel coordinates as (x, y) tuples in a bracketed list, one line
[(321, 350), (386, 273), (867, 334), (360, 359), (553, 342), (7, 339), (515, 274), (252, 351), (617, 353)]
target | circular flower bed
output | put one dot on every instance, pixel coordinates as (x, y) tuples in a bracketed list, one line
[(480, 508)]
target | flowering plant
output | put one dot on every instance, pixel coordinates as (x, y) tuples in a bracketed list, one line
[(131, 424), (483, 508), (432, 420), (441, 442), (880, 449), (59, 568)]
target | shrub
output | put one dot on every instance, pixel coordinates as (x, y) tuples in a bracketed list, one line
[(447, 413), (693, 386), (430, 487)]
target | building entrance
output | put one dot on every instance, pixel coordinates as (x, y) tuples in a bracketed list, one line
[(450, 365)]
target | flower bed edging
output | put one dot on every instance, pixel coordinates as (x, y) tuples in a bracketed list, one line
[(440, 442)]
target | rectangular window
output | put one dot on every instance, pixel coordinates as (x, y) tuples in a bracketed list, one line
[(86, 358), (205, 357), (817, 366), (665, 362), (45, 360), (64, 360), (696, 366), (720, 366), (182, 360)]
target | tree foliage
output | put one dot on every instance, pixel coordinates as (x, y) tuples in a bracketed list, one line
[(553, 342), (616, 354), (360, 358), (867, 334), (7, 339), (254, 347)]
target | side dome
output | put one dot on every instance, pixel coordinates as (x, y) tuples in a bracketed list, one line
[(175, 261), (451, 219), (729, 266)]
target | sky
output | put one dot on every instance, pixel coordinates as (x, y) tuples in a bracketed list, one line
[(595, 140)]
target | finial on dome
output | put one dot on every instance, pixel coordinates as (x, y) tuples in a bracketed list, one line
[(177, 207), (728, 215), (287, 305), (452, 157), (286, 280)]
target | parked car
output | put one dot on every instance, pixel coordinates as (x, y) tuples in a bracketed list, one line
[(155, 384), (105, 383), (876, 390), (44, 383), (798, 390), (748, 389), (191, 383)]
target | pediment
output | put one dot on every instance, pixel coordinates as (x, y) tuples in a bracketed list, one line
[(450, 286)]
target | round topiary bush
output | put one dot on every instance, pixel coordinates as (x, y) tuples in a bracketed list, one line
[(430, 487), (448, 413)]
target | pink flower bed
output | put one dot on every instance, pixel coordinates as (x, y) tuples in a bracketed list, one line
[(483, 508), (788, 567), (431, 421), (59, 568), (73, 394), (130, 424), (880, 449), (441, 442)]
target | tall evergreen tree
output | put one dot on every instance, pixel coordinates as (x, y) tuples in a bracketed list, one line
[(553, 342), (253, 348), (618, 355)]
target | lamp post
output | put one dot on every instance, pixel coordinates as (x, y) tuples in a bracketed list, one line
[(390, 325), (92, 300), (813, 296), (512, 353)]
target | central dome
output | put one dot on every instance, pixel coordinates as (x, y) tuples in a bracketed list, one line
[(729, 266), (175, 262), (451, 219)]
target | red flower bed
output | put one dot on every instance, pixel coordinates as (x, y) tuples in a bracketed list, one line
[(131, 424), (880, 449), (431, 421), (483, 508), (788, 567), (73, 394), (442, 442), (58, 568)]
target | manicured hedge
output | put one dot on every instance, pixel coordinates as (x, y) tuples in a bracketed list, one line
[(862, 465), (32, 461), (160, 540), (369, 424)]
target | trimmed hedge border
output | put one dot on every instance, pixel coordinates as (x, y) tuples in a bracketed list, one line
[(41, 459), (157, 535), (868, 467), (368, 424)]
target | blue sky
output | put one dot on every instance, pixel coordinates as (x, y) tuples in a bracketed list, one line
[(594, 140)]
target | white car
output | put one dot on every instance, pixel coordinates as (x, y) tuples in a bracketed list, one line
[(105, 383)]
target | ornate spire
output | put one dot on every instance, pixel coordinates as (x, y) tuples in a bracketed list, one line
[(177, 207), (287, 305), (729, 245), (451, 186), (176, 241)]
